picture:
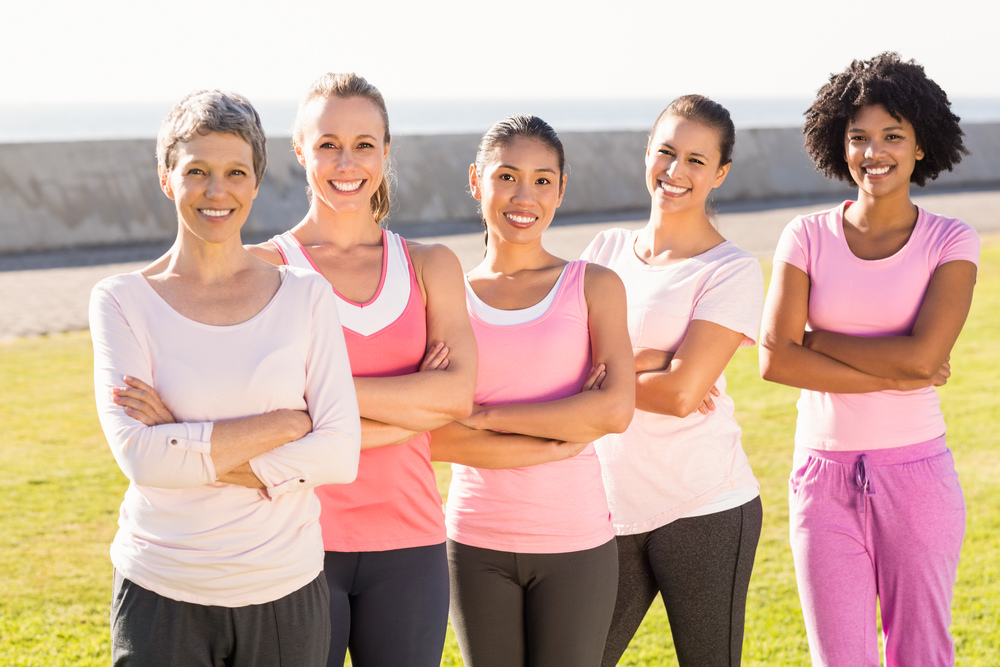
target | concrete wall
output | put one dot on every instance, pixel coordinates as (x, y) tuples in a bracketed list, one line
[(65, 195)]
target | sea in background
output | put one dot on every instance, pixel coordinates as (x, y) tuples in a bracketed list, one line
[(85, 122)]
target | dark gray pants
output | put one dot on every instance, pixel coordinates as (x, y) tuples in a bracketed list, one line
[(538, 610), (149, 630), (702, 567)]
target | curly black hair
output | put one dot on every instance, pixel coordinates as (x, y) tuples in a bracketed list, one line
[(904, 90)]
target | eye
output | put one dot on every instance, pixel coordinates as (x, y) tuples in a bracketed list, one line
[(195, 171), (327, 144), (696, 161), (856, 137), (542, 181), (665, 151), (893, 137), (506, 177), (365, 144), (238, 172)]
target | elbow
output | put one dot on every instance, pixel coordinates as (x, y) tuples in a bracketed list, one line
[(768, 363), (619, 416)]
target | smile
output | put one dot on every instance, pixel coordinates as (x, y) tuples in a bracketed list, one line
[(520, 220), (215, 212), (671, 189), (347, 186), (878, 171)]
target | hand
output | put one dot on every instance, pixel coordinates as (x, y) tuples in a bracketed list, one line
[(436, 358), (941, 377), (707, 404), (141, 402), (648, 359), (595, 379)]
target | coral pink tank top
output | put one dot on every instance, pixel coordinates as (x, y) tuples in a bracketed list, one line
[(394, 503), (549, 508)]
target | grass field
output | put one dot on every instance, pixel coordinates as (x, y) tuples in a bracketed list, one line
[(62, 491)]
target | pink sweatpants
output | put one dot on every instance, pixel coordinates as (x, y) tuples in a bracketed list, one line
[(885, 523)]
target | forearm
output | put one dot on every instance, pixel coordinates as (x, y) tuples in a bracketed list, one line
[(242, 475), (379, 434), (419, 401), (236, 442), (895, 357), (797, 366), (454, 443), (582, 417), (661, 392)]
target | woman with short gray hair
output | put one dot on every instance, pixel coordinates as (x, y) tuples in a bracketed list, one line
[(218, 557)]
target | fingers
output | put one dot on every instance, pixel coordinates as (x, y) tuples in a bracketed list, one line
[(707, 404), (595, 379), (436, 358), (141, 402)]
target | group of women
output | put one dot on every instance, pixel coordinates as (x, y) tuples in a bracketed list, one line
[(278, 434)]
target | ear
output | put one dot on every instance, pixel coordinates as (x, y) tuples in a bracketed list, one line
[(385, 153), (165, 181), (297, 147), (721, 176), (477, 192), (562, 189), (920, 153)]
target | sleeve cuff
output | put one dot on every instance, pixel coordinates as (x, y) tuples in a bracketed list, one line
[(274, 487)]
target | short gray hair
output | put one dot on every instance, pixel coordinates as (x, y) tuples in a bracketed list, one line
[(205, 111)]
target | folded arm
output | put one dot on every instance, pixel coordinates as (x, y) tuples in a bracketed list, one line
[(419, 402), (456, 443), (590, 414), (786, 360)]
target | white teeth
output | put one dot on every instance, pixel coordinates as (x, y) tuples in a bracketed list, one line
[(877, 171), (673, 189), (522, 219), (216, 213), (348, 186)]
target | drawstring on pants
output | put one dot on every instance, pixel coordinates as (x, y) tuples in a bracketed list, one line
[(863, 476)]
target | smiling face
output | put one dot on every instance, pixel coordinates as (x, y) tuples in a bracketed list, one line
[(881, 151), (520, 189), (343, 150), (682, 165), (212, 184)]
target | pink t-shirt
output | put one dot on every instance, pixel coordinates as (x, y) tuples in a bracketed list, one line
[(394, 503), (862, 297), (549, 508), (181, 533), (663, 467)]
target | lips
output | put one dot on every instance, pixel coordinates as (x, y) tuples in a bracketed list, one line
[(521, 219), (215, 212), (347, 186), (671, 190), (878, 170)]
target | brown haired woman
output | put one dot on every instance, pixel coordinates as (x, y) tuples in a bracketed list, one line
[(683, 498)]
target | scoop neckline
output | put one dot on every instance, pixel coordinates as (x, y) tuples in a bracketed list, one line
[(840, 210), (282, 271), (633, 256)]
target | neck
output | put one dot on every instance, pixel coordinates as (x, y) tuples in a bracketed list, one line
[(322, 225), (508, 258), (678, 235), (882, 212), (205, 262)]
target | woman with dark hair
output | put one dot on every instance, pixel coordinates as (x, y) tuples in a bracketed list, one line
[(532, 560), (683, 498), (865, 304), (218, 557)]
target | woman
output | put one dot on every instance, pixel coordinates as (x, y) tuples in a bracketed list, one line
[(402, 308), (530, 547), (684, 500), (218, 557), (884, 287)]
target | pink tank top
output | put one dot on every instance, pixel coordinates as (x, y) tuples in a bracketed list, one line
[(394, 503), (549, 508)]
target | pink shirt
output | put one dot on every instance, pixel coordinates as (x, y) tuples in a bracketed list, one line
[(861, 297), (181, 533), (549, 508), (664, 468), (394, 503)]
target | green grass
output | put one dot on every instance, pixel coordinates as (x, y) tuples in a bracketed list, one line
[(62, 490)]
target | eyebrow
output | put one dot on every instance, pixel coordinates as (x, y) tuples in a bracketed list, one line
[(891, 128), (701, 155), (513, 168), (360, 136)]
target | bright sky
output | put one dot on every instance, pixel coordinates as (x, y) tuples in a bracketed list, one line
[(139, 51)]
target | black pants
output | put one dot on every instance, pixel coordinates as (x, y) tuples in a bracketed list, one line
[(149, 630), (389, 608), (538, 610), (702, 568)]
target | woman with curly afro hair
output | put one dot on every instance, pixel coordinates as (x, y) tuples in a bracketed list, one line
[(865, 304)]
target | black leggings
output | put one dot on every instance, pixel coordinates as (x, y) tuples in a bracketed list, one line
[(543, 610), (702, 567), (390, 608)]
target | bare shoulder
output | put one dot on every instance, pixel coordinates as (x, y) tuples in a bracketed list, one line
[(266, 251), (431, 256), (602, 280)]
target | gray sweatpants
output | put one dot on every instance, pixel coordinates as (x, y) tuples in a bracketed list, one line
[(150, 630), (543, 610)]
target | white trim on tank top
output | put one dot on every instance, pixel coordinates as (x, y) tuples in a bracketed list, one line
[(506, 318), (391, 301)]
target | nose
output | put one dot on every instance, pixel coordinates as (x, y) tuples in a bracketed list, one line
[(345, 161), (673, 168), (216, 188), (522, 193), (874, 148)]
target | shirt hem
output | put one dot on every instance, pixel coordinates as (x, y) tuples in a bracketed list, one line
[(438, 537), (523, 545)]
